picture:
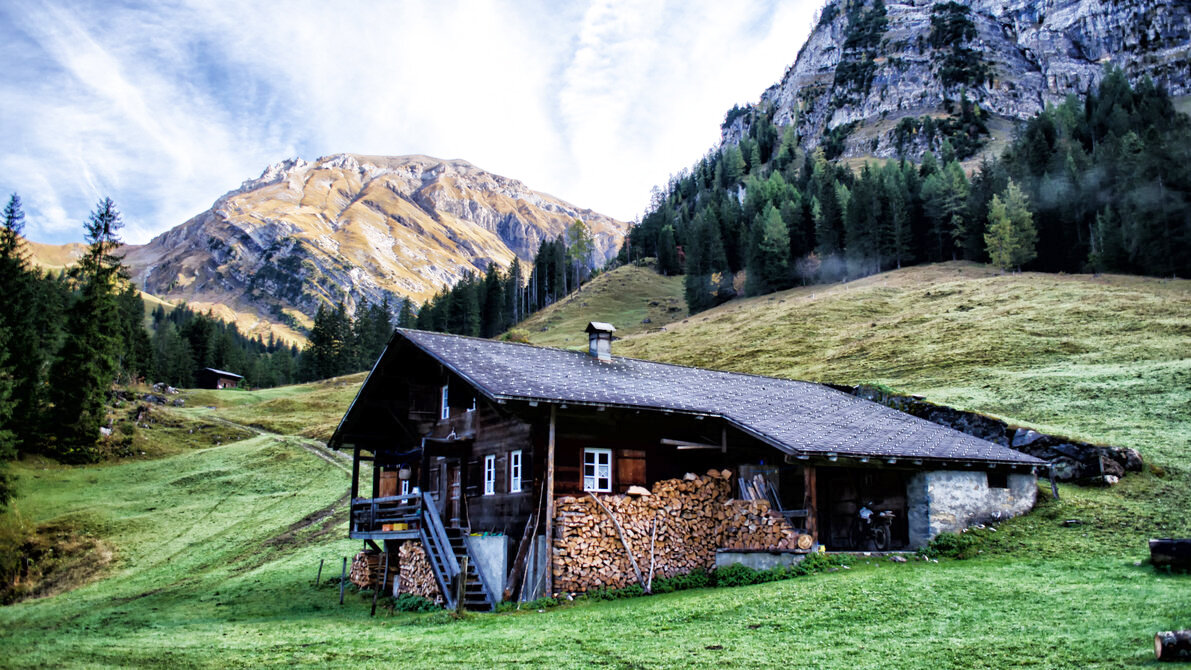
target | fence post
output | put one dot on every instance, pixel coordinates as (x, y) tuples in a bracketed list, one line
[(319, 578), (342, 579)]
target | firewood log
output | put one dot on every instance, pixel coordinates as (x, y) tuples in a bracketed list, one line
[(1173, 645)]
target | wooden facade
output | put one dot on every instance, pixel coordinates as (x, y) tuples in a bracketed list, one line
[(445, 453)]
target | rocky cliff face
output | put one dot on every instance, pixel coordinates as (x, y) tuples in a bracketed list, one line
[(347, 227), (868, 65)]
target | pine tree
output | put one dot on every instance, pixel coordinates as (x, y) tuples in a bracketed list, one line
[(87, 363), (26, 342), (579, 247), (406, 318), (667, 252)]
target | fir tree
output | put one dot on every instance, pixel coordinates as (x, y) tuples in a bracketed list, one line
[(87, 365), (769, 267)]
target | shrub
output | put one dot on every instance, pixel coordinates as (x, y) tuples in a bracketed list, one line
[(409, 602), (952, 545)]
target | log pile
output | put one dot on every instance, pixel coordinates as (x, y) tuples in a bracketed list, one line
[(694, 517), (367, 567), (415, 574)]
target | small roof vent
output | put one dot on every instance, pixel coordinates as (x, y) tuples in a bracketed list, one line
[(599, 340)]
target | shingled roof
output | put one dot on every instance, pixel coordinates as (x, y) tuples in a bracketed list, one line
[(796, 417)]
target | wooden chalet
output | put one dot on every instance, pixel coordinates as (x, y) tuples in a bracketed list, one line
[(454, 438), (210, 378)]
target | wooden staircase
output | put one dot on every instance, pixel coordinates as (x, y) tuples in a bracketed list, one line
[(445, 549)]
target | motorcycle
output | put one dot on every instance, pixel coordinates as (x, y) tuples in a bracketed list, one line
[(872, 529)]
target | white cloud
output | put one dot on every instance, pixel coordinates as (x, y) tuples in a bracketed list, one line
[(165, 107)]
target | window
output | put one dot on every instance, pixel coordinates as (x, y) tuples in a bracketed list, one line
[(490, 474), (998, 480), (515, 471), (597, 470), (446, 404)]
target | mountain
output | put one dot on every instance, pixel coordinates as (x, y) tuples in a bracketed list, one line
[(871, 73), (349, 227)]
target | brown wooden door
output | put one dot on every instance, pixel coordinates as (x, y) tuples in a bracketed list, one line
[(454, 495)]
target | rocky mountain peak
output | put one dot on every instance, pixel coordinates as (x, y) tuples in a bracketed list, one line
[(872, 71), (353, 227)]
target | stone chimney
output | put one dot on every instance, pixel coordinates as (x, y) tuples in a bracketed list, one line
[(599, 340)]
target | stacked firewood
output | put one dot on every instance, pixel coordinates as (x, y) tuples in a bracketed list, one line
[(416, 575), (367, 568), (753, 525), (676, 529)]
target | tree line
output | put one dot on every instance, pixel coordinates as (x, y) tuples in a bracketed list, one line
[(1095, 184), (64, 339), (485, 306), (185, 341)]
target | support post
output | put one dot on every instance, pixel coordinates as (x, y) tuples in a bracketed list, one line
[(550, 505), (355, 473), (461, 584), (342, 579), (320, 573), (809, 479)]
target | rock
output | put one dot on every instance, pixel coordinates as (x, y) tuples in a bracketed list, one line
[(179, 402), (1066, 469), (1111, 480), (1110, 467), (690, 477), (647, 320), (897, 559), (1023, 437), (1036, 54), (638, 491), (105, 431)]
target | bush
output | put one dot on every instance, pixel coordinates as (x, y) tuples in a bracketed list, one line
[(952, 545), (409, 602)]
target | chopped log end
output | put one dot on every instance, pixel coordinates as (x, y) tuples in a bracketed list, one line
[(1173, 645)]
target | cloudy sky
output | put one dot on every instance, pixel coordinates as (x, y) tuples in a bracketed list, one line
[(165, 106)]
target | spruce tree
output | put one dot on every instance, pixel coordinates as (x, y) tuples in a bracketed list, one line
[(27, 342), (87, 364)]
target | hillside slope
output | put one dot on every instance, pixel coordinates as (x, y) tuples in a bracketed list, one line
[(872, 64), (634, 299), (1104, 358), (347, 227)]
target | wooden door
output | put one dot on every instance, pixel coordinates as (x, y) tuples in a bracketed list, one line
[(454, 495)]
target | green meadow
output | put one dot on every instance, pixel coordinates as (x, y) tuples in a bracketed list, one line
[(203, 551)]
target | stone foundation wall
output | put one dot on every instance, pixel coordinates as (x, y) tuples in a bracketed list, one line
[(695, 516), (951, 500)]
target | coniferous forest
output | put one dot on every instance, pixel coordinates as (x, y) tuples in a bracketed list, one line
[(1099, 184)]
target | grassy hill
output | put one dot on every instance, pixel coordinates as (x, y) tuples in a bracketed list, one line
[(210, 549), (624, 297)]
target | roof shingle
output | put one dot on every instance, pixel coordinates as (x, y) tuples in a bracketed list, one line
[(794, 416)]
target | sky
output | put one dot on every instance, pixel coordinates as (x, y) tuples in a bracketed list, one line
[(166, 106)]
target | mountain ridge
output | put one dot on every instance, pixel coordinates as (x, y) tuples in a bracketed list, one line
[(352, 227)]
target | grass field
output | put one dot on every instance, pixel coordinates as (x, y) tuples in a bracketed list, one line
[(214, 549), (625, 297)]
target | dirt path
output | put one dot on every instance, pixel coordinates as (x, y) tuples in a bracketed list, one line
[(338, 459)]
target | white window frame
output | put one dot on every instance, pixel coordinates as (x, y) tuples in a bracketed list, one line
[(404, 487), (490, 474), (445, 410), (592, 482), (515, 471)]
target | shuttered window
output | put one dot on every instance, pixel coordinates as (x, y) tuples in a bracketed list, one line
[(597, 470), (445, 412)]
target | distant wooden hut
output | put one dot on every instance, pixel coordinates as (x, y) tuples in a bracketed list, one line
[(210, 378)]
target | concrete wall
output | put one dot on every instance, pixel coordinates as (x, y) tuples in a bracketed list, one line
[(757, 560), (951, 500), (491, 554)]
